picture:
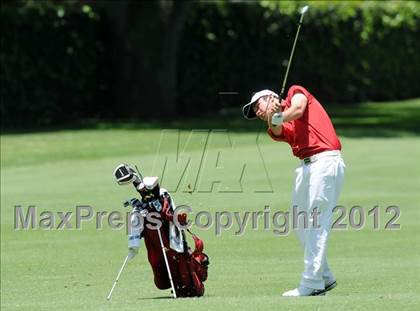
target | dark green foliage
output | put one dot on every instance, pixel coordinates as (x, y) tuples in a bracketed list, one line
[(55, 56), (53, 64), (346, 52)]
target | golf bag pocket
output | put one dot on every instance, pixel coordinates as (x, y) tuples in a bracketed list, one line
[(192, 267)]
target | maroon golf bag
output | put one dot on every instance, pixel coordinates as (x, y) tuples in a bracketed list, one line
[(188, 267), (175, 265)]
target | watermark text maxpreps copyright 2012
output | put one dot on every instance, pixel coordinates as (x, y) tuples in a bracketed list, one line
[(280, 222)]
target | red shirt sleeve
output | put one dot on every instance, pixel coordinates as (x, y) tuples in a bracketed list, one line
[(286, 133), (298, 89)]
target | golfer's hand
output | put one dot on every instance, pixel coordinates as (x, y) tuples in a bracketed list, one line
[(274, 104), (272, 107)]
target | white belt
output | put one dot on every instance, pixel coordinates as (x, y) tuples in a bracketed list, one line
[(316, 157)]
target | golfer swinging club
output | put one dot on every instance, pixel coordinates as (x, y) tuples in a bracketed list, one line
[(301, 121)]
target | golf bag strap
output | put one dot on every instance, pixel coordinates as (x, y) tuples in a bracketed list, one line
[(168, 215), (199, 245), (166, 210)]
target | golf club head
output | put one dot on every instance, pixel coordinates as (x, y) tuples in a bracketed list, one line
[(124, 175), (304, 9)]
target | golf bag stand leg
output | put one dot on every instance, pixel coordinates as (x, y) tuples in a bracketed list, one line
[(118, 277), (166, 262)]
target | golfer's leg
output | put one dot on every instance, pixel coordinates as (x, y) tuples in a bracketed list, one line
[(322, 195), (300, 200), (327, 275)]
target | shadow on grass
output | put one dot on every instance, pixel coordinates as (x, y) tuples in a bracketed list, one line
[(389, 119), (156, 298)]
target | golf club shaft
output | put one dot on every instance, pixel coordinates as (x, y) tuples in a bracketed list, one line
[(118, 277), (291, 54), (166, 262)]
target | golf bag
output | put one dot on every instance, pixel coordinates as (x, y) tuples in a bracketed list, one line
[(173, 262)]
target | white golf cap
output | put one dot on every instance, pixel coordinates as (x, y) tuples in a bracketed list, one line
[(247, 110)]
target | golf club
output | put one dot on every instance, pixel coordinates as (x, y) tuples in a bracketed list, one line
[(118, 277), (302, 12)]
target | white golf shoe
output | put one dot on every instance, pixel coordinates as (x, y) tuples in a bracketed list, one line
[(303, 291)]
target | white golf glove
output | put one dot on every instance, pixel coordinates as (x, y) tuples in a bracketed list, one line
[(132, 252), (277, 119)]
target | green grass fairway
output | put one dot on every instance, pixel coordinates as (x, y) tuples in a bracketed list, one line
[(74, 269)]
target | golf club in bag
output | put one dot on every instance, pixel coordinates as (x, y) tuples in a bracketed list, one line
[(173, 262)]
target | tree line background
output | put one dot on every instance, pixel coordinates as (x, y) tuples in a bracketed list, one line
[(63, 62)]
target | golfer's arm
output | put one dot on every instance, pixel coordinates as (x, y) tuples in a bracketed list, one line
[(296, 109)]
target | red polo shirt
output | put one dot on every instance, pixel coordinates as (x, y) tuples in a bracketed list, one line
[(310, 134)]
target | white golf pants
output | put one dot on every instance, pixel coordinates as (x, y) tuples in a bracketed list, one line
[(318, 185)]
